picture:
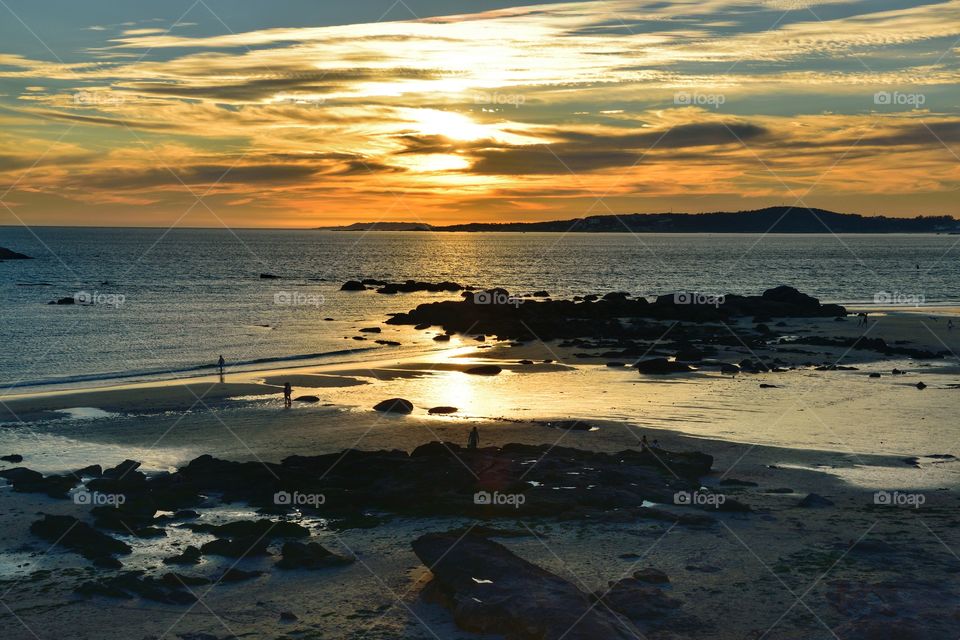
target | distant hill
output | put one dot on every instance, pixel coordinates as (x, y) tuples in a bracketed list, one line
[(382, 226), (771, 219)]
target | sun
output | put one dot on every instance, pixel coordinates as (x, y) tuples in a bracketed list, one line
[(434, 122)]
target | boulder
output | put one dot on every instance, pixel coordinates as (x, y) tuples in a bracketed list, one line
[(311, 555), (636, 600), (490, 590), (662, 366), (441, 410), (394, 405), (68, 532), (13, 457), (268, 276), (308, 399), (353, 285)]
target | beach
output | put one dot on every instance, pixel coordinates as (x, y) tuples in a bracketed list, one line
[(776, 437)]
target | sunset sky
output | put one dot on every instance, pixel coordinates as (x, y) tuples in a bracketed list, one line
[(296, 114)]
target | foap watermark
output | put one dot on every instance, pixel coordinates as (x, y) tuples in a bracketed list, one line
[(499, 99), (899, 499), (498, 499), (496, 297), (97, 499), (99, 98), (114, 300), (699, 499), (698, 298), (697, 99), (899, 298), (899, 99), (297, 299), (297, 499)]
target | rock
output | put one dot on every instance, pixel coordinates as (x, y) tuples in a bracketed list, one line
[(268, 276), (370, 330), (920, 385), (13, 457), (442, 410), (353, 285), (309, 399), (263, 528), (62, 301), (312, 555), (484, 370), (874, 375), (480, 338), (812, 500), (388, 343), (490, 590), (394, 405), (288, 616), (651, 575), (68, 532), (422, 326), (662, 366), (764, 385), (614, 365), (91, 471), (190, 555), (29, 481), (7, 254), (637, 601), (441, 338), (541, 294), (170, 589)]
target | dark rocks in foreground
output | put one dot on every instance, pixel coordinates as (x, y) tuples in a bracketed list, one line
[(310, 555), (68, 532), (490, 590)]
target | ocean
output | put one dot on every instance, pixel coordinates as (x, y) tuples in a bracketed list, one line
[(169, 302)]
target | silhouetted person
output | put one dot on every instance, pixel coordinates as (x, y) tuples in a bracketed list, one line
[(655, 444), (474, 440), (287, 395), (644, 445), (220, 363), (950, 325)]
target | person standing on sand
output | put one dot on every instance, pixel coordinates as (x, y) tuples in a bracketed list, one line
[(220, 364), (474, 440), (644, 445), (950, 324), (287, 394)]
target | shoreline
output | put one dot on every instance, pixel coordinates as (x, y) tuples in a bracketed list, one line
[(320, 362)]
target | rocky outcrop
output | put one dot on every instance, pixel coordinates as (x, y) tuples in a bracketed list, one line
[(496, 312), (490, 590), (7, 254), (409, 286), (70, 533)]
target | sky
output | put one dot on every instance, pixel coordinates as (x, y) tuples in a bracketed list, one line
[(298, 114)]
